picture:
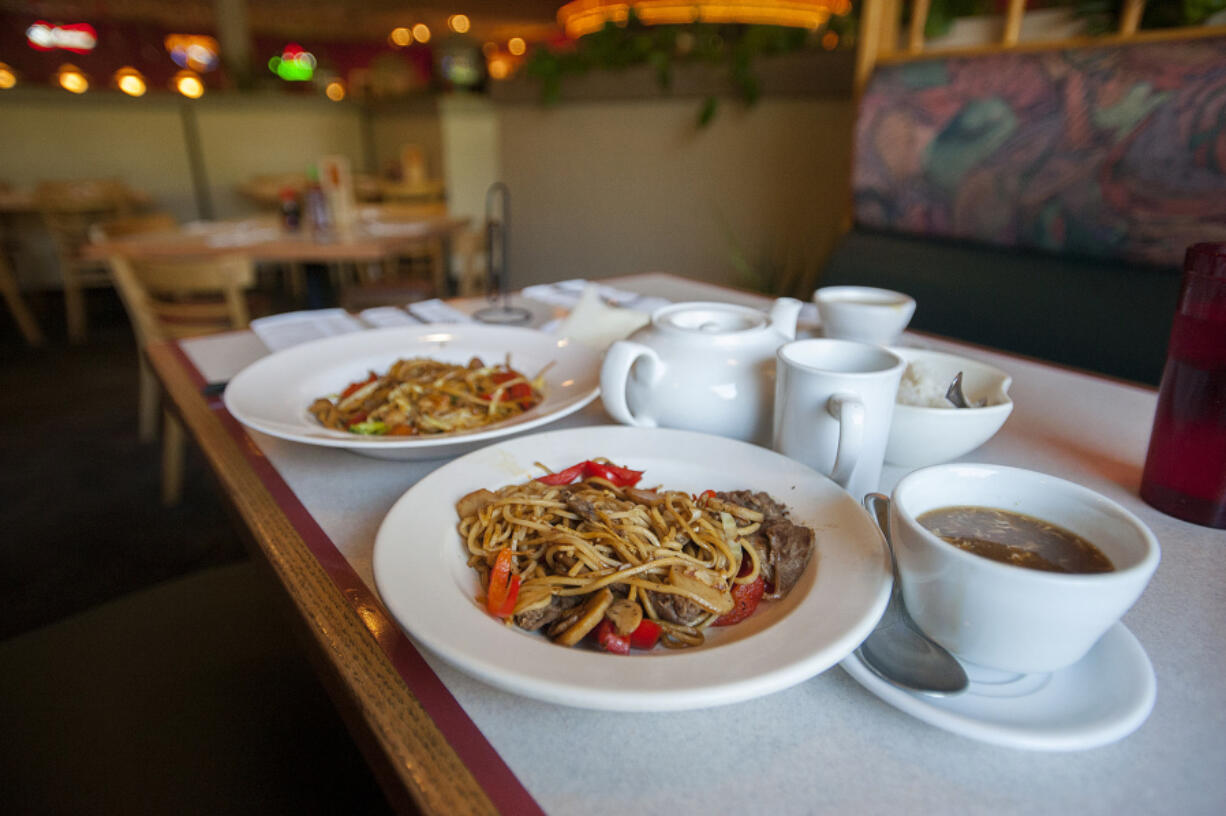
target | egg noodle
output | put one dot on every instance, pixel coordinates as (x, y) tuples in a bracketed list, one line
[(424, 396), (656, 548)]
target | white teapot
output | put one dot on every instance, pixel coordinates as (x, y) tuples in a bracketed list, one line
[(700, 366)]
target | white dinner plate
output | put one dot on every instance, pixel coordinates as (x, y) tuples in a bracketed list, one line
[(273, 394), (421, 574), (1098, 700)]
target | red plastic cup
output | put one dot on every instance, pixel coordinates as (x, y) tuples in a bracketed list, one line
[(1185, 468)]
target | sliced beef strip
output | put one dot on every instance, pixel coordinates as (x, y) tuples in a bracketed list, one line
[(581, 507), (755, 500), (536, 618), (789, 549), (675, 609), (783, 547)]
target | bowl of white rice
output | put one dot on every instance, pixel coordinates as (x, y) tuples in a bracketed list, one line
[(927, 428)]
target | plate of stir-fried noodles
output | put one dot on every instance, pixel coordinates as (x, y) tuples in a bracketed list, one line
[(416, 392), (536, 563)]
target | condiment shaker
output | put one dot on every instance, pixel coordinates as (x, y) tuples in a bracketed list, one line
[(1185, 468)]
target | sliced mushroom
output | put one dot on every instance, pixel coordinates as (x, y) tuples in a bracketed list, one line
[(703, 587), (471, 504), (626, 616), (590, 615), (650, 497), (563, 623)]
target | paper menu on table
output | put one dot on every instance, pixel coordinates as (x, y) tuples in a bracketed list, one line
[(284, 330), (567, 293), (380, 317), (436, 311)]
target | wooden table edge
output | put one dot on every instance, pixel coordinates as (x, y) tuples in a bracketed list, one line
[(409, 752)]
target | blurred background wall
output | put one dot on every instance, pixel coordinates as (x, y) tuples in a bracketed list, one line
[(599, 187)]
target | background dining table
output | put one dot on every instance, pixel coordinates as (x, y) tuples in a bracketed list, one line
[(446, 743), (375, 234)]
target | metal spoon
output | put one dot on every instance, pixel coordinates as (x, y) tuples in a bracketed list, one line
[(897, 651), (954, 394)]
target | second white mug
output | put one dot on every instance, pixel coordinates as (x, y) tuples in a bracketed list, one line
[(834, 400)]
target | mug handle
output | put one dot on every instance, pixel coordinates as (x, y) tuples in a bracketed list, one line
[(614, 374), (848, 409)]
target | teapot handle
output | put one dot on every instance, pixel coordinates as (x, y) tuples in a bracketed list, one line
[(615, 375)]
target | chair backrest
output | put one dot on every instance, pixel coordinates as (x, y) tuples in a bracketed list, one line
[(184, 298), (70, 208), (123, 227)]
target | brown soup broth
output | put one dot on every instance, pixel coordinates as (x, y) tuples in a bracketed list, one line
[(1014, 538)]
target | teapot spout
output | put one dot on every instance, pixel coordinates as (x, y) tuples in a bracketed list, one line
[(784, 314)]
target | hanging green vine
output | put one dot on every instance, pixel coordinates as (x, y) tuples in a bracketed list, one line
[(663, 47)]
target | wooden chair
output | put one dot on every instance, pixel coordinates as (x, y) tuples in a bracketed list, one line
[(69, 209), (26, 321), (168, 300), (127, 226), (468, 262)]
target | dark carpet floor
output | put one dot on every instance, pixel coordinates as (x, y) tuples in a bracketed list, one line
[(82, 519), (116, 694)]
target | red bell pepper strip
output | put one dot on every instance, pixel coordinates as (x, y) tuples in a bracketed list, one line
[(745, 599), (520, 392), (504, 587), (620, 476), (354, 386), (647, 635), (562, 477), (609, 640)]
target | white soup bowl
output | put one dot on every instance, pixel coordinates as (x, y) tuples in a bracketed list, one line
[(1007, 617)]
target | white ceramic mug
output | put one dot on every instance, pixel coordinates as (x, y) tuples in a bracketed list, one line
[(834, 400), (1002, 616)]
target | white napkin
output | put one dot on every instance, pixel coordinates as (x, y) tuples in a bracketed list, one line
[(568, 292), (596, 324)]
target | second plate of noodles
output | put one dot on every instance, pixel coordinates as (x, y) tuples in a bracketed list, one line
[(548, 377), (420, 396), (435, 571)]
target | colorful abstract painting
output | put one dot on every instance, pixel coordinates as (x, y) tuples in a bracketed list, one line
[(1116, 152)]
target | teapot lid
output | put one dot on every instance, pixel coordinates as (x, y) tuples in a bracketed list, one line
[(709, 318)]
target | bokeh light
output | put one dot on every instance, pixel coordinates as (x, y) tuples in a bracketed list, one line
[(130, 81), (335, 90), (8, 77), (195, 51), (188, 83), (830, 40), (400, 37), (517, 46), (459, 23), (498, 67), (295, 64), (421, 33), (71, 79)]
